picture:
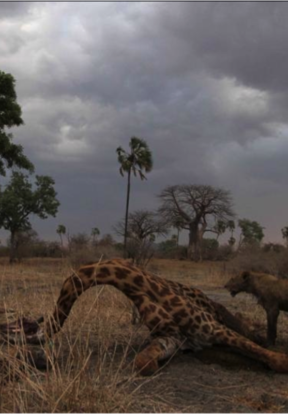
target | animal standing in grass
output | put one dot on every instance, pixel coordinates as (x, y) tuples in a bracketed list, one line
[(271, 292), (178, 317)]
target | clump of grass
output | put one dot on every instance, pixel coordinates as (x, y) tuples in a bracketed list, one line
[(91, 359)]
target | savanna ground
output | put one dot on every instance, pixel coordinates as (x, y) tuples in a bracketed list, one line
[(93, 369)]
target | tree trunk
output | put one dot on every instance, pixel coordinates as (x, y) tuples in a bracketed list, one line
[(127, 212), (195, 240), (193, 247), (13, 248), (178, 234)]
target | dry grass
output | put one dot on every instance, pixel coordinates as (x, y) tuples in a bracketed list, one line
[(92, 357)]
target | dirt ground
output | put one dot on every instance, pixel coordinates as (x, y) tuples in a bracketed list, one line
[(98, 332)]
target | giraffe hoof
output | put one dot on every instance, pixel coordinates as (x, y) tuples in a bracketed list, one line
[(146, 366)]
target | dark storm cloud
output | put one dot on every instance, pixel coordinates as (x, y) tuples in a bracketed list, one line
[(12, 9), (203, 83)]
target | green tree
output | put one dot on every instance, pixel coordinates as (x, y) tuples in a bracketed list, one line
[(19, 200), (251, 232), (24, 242), (220, 228), (139, 158), (10, 115), (231, 227)]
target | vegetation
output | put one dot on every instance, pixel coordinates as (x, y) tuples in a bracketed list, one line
[(18, 201), (61, 231), (196, 208), (251, 232), (10, 115), (142, 229), (284, 232), (96, 348), (136, 161), (95, 232)]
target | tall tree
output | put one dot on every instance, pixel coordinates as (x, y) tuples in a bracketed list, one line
[(284, 232), (251, 232), (10, 115), (198, 208), (143, 224), (220, 228), (18, 201), (231, 227), (137, 160), (178, 225)]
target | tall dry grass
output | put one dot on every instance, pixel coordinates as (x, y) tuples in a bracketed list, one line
[(91, 359)]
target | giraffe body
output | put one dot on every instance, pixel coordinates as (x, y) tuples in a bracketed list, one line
[(177, 316)]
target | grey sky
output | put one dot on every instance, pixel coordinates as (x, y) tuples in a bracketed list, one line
[(205, 84)]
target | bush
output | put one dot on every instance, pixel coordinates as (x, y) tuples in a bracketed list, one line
[(209, 249), (83, 250), (258, 259)]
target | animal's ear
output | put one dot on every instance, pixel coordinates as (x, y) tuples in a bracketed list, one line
[(245, 275)]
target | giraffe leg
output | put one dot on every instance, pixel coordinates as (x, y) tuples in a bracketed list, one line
[(160, 348), (276, 361)]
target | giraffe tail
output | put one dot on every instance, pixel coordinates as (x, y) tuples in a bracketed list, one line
[(278, 362)]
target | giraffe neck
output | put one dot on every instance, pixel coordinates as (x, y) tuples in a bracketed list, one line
[(115, 275)]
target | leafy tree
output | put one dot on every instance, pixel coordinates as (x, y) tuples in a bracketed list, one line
[(284, 232), (220, 228), (251, 232), (24, 241), (169, 245), (10, 115), (197, 208), (139, 158), (18, 201), (209, 248), (231, 227)]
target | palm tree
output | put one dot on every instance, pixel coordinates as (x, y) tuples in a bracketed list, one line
[(61, 230), (138, 159), (94, 233)]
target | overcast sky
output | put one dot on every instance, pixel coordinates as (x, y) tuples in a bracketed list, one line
[(205, 84)]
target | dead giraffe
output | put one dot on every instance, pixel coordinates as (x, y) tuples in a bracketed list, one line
[(178, 317)]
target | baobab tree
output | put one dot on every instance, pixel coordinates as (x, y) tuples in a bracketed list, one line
[(137, 160), (197, 208)]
